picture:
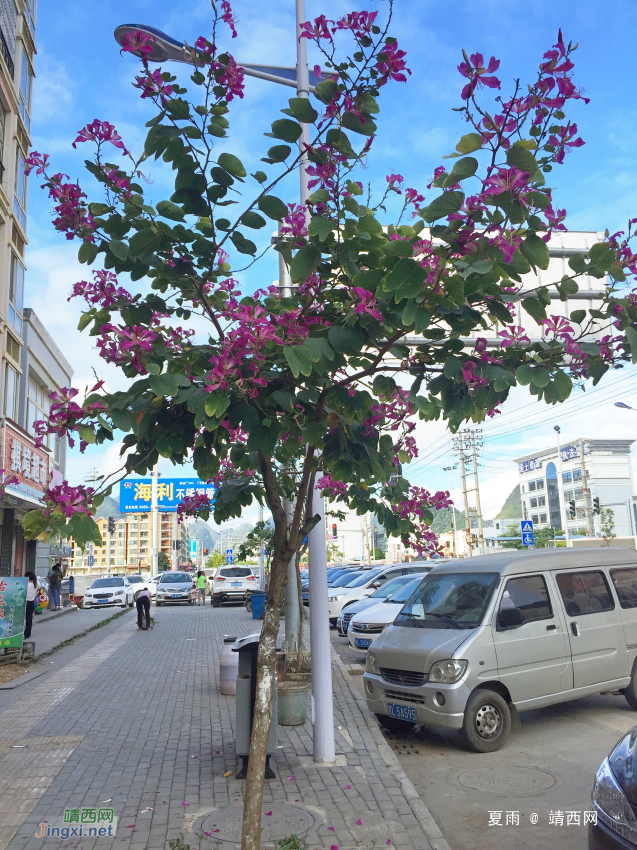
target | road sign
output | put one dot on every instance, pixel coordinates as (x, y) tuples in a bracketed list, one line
[(192, 547), (91, 561), (527, 526), (528, 539), (229, 557)]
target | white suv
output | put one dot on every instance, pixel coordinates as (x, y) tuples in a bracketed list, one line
[(232, 584)]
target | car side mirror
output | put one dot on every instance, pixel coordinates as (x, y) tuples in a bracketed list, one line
[(510, 618), (376, 584)]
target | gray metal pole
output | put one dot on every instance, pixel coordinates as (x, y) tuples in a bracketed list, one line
[(560, 492), (302, 90), (174, 552), (588, 502), (322, 705)]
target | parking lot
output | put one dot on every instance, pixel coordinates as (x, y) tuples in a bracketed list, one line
[(546, 770)]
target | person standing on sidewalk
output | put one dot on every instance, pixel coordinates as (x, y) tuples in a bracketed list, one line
[(142, 601), (201, 588), (32, 589), (55, 583)]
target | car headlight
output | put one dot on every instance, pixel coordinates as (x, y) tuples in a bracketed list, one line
[(448, 672), (611, 804), (371, 664), (334, 597)]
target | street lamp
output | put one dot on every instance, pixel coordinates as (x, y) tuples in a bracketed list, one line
[(165, 49), (560, 497), (623, 406)]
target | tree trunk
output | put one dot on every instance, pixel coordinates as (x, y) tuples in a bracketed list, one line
[(266, 663)]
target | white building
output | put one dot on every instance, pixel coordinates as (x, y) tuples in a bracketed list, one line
[(548, 484)]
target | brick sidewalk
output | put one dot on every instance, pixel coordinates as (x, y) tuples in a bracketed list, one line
[(136, 718)]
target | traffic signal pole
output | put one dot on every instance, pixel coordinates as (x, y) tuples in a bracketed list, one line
[(588, 506)]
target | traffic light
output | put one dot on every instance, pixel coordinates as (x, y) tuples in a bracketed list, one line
[(111, 525), (205, 551), (334, 531), (571, 509), (596, 505)]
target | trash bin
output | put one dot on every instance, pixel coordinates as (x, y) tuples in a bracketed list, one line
[(258, 605), (247, 647)]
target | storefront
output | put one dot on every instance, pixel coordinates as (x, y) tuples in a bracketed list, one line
[(30, 465)]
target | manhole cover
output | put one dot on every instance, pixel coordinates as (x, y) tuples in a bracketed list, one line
[(508, 781), (286, 819)]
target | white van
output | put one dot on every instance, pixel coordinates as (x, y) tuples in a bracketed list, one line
[(482, 639)]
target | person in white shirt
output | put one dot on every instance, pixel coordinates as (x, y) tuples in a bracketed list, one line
[(32, 588)]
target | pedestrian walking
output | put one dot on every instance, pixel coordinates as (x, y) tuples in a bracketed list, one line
[(142, 601), (201, 588), (32, 589), (55, 583)]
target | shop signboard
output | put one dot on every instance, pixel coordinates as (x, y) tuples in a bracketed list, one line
[(26, 463), (13, 603), (135, 493)]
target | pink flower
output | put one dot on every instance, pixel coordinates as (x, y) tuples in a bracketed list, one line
[(391, 64), (36, 160), (228, 16), (366, 303), (331, 829), (317, 30), (100, 131), (267, 814), (348, 786), (193, 506), (185, 803), (331, 487), (475, 72), (506, 180), (138, 42), (359, 822)]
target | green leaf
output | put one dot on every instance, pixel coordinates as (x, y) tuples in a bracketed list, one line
[(273, 207), (603, 255), (398, 248), (524, 375), (522, 158), (163, 385), (536, 251), (253, 220), (321, 227), (345, 340), (144, 243), (443, 205), (216, 404), (87, 252), (34, 523), (407, 276), (169, 210), (462, 169), (83, 529), (534, 308), (562, 385), (578, 316), (86, 433), (631, 338), (261, 176), (339, 140), (578, 263), (299, 360), (302, 110), (469, 143), (118, 248), (220, 176), (325, 91), (306, 261), (232, 164), (352, 122), (279, 153), (243, 245), (540, 376), (285, 129), (85, 320)]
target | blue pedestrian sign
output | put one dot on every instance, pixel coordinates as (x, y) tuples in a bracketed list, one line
[(229, 559), (528, 539), (91, 561), (527, 526)]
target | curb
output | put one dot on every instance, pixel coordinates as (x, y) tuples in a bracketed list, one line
[(70, 640), (51, 615), (418, 806)]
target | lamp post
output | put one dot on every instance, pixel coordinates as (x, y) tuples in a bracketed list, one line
[(560, 484), (449, 469), (166, 48)]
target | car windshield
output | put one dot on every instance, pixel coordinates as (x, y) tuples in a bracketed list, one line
[(343, 580), (175, 578), (403, 593), (360, 580), (135, 579), (449, 601), (387, 588), (108, 582), (235, 572)]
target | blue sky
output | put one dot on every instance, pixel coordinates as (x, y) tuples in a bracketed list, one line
[(81, 76)]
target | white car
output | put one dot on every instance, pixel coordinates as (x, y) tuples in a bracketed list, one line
[(233, 584), (174, 586), (367, 625), (109, 591), (340, 597), (377, 596), (138, 581)]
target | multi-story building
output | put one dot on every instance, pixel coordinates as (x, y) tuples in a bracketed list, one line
[(131, 545), (550, 482)]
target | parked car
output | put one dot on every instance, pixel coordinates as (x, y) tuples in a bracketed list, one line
[(174, 586), (363, 585), (614, 799), (233, 584), (386, 589), (107, 591), (366, 626), (138, 581), (481, 640)]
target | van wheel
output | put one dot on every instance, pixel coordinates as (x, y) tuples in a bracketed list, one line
[(631, 691), (394, 724), (487, 722)]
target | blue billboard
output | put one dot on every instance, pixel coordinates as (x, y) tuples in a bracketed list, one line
[(135, 493)]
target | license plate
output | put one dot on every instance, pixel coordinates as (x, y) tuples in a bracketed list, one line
[(306, 596), (235, 584), (100, 601), (402, 712), (176, 595), (363, 642)]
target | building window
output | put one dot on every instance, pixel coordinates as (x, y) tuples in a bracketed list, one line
[(10, 392), (523, 489), (16, 293), (567, 477), (29, 15), (37, 405), (577, 475), (541, 502), (542, 518), (534, 503), (568, 495), (579, 493), (531, 485), (26, 87), (20, 198), (540, 484), (534, 518)]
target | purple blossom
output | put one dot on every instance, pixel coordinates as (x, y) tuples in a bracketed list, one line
[(475, 72), (100, 131)]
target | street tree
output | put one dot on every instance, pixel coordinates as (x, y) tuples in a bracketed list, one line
[(607, 528), (260, 539), (318, 383)]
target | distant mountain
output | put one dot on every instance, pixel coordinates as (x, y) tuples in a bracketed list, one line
[(443, 521), (109, 507), (512, 508), (200, 530)]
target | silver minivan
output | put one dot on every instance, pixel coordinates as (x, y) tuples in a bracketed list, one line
[(485, 638)]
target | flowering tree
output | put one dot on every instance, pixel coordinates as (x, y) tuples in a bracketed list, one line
[(320, 381)]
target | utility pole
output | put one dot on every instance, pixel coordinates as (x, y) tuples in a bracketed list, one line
[(174, 549), (465, 500), (588, 502), (560, 488), (449, 469), (154, 516), (477, 488)]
